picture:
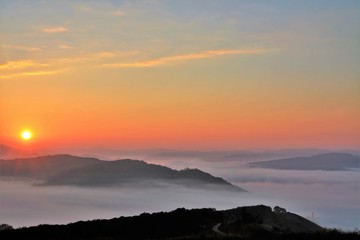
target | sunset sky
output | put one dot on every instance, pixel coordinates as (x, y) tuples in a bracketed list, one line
[(191, 74)]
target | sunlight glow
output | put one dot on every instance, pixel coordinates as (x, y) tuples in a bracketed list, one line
[(26, 135)]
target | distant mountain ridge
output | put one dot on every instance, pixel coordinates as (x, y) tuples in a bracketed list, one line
[(327, 162), (81, 171), (230, 156)]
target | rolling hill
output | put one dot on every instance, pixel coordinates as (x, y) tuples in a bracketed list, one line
[(44, 166), (8, 152), (80, 171), (254, 222)]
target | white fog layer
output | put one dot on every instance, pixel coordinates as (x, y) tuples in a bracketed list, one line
[(329, 198)]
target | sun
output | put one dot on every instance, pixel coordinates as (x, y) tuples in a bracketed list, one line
[(26, 135)]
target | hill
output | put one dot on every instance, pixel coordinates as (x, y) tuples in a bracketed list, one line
[(134, 172), (80, 171), (256, 222), (234, 156), (7, 152), (44, 166), (328, 162)]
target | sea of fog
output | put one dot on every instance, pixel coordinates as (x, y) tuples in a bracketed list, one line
[(329, 198)]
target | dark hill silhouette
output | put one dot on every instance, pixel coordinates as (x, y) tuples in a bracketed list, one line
[(81, 171), (278, 219), (256, 222), (329, 162)]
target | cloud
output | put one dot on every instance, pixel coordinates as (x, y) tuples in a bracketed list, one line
[(64, 46), (38, 73), (106, 54), (30, 73), (25, 48), (21, 68), (21, 64), (55, 29), (118, 13), (84, 8), (185, 57)]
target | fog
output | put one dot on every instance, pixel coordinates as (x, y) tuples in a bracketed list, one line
[(333, 197), (330, 198), (22, 204)]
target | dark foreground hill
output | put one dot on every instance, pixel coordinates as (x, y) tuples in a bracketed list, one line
[(79, 171), (257, 222), (328, 162)]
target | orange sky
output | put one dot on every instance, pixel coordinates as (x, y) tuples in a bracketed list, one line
[(162, 75)]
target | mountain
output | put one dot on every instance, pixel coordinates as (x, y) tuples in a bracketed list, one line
[(207, 156), (230, 156), (328, 162), (255, 222), (7, 152), (134, 172), (44, 166), (81, 171), (282, 153)]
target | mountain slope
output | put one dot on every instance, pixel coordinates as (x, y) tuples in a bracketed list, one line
[(256, 222), (7, 152), (44, 166), (329, 162), (132, 172), (80, 171)]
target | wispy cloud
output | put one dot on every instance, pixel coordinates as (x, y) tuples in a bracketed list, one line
[(118, 13), (105, 54), (25, 48), (84, 8), (64, 46), (21, 64), (38, 73), (21, 68), (30, 73), (185, 57), (55, 29)]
